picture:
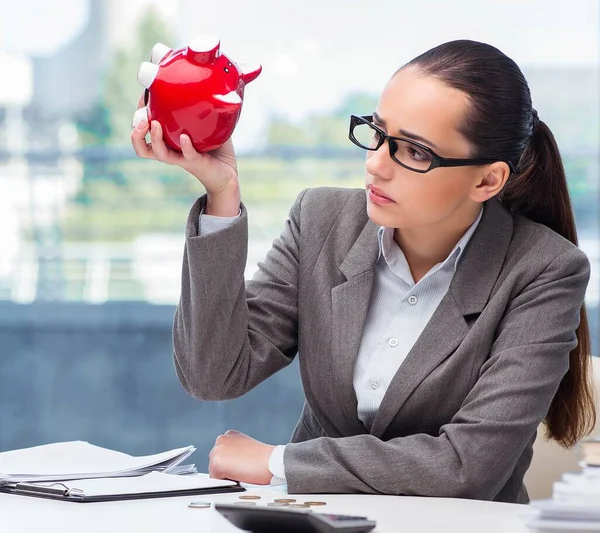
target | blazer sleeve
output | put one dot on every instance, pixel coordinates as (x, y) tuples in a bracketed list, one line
[(228, 335), (473, 455)]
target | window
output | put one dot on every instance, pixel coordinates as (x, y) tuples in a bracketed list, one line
[(92, 237)]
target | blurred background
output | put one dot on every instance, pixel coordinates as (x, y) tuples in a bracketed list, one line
[(91, 237)]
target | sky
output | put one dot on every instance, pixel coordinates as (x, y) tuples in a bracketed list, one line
[(314, 52)]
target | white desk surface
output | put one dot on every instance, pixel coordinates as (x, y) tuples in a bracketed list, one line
[(394, 514)]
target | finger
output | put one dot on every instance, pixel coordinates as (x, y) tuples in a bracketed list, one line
[(215, 469), (187, 148), (231, 432), (160, 149), (210, 467), (138, 140)]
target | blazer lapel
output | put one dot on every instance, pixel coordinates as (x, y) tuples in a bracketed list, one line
[(350, 303), (471, 286)]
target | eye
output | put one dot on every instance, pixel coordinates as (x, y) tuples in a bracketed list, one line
[(226, 70), (417, 154)]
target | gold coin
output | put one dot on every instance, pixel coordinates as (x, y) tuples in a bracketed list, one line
[(284, 500), (249, 497), (315, 504), (199, 505), (244, 503), (277, 504), (299, 505)]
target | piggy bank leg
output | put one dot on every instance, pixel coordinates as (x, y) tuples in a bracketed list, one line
[(147, 74), (138, 116), (159, 51)]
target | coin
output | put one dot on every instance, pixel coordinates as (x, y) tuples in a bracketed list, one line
[(244, 503), (277, 504), (314, 504), (284, 500), (199, 505), (299, 505), (249, 497)]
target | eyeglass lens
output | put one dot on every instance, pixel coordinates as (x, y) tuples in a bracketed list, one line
[(404, 152)]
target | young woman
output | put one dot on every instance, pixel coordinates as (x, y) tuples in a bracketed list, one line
[(437, 315)]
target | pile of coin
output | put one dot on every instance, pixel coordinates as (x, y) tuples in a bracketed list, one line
[(248, 499), (285, 502)]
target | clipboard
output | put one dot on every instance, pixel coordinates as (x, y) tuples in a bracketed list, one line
[(61, 492)]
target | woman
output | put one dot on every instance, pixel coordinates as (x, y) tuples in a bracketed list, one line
[(438, 315)]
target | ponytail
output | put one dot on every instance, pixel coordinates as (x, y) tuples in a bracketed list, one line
[(500, 124), (539, 191)]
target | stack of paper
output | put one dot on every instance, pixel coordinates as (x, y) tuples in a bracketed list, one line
[(80, 472), (590, 449), (575, 504), (81, 460)]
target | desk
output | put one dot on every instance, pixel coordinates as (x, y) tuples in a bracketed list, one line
[(394, 514)]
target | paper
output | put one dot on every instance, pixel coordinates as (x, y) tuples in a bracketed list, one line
[(77, 459), (551, 510), (148, 483)]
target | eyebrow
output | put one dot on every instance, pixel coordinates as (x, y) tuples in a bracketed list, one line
[(405, 133)]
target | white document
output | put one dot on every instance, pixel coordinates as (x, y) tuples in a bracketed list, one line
[(79, 460), (146, 484), (552, 510)]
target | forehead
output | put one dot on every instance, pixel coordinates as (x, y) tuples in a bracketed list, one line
[(423, 105)]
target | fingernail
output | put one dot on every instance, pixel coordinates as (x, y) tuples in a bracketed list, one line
[(142, 124), (154, 126), (183, 139)]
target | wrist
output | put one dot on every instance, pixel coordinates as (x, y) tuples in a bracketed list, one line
[(225, 203)]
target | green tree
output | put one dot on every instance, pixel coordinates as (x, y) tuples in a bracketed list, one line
[(122, 90), (326, 129), (283, 133), (109, 122), (356, 104)]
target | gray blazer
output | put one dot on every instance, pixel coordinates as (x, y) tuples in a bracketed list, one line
[(460, 415)]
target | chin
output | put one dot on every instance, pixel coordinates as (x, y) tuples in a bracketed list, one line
[(382, 219), (388, 219)]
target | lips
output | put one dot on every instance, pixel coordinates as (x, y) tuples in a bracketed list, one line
[(378, 192)]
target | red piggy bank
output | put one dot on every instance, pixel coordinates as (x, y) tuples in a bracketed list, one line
[(194, 90)]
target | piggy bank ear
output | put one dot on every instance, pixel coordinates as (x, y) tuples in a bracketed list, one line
[(249, 73)]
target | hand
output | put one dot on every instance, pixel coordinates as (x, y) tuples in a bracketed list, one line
[(216, 170), (241, 458)]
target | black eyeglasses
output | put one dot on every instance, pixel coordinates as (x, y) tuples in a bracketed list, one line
[(407, 153)]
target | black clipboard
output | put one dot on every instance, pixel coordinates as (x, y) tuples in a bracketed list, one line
[(58, 491)]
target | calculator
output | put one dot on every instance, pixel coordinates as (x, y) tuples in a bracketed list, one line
[(282, 520)]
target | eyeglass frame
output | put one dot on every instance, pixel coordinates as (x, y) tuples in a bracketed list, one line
[(437, 161)]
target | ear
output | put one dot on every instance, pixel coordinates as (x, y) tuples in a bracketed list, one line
[(492, 182)]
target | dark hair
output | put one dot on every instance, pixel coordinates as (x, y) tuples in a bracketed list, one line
[(502, 124)]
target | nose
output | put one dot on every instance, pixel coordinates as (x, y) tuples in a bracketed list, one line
[(379, 163)]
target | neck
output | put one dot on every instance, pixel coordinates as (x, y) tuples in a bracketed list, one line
[(426, 246)]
